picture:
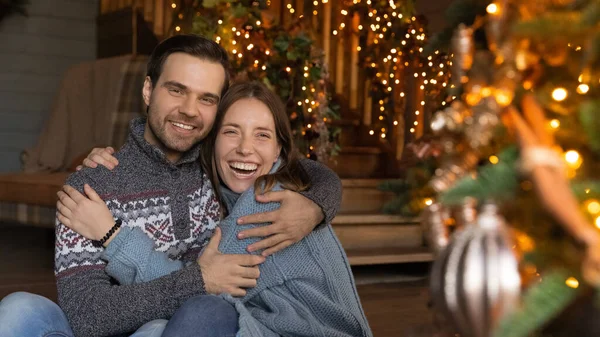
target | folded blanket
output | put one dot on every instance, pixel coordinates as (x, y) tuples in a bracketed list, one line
[(82, 115)]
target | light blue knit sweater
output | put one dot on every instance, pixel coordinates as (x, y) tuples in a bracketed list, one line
[(305, 290)]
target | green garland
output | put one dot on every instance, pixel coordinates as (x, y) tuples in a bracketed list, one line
[(283, 57)]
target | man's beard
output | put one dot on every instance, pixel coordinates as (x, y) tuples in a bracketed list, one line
[(171, 142)]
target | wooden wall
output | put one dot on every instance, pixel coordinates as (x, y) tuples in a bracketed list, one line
[(34, 53)]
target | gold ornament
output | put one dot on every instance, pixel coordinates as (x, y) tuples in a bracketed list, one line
[(496, 25), (453, 170), (556, 54), (481, 126), (450, 119), (463, 49)]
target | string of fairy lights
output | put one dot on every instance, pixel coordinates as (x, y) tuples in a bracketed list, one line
[(391, 43)]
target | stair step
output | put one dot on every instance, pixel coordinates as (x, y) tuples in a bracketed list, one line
[(358, 162), (362, 196), (375, 235), (361, 219), (373, 256)]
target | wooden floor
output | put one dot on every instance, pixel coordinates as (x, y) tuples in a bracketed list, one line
[(394, 297)]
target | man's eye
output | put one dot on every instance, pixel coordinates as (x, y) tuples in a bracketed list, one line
[(176, 91), (208, 100)]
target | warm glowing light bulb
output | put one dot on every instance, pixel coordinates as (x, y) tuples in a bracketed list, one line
[(555, 123), (559, 94), (428, 201), (494, 160), (371, 132), (597, 222), (177, 28), (573, 158), (583, 89), (592, 206), (572, 282), (173, 5), (492, 8)]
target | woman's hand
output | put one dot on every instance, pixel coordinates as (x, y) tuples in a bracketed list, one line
[(89, 216), (102, 156)]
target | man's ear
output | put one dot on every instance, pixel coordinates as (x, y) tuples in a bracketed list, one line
[(147, 90)]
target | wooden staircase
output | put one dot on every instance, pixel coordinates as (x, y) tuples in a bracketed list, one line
[(368, 236), (372, 238)]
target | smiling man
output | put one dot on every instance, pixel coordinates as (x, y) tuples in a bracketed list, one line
[(157, 185)]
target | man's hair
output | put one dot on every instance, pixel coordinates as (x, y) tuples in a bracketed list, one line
[(290, 173), (194, 45)]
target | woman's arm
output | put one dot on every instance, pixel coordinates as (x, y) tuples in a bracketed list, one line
[(131, 258)]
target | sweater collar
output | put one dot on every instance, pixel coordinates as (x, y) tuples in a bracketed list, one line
[(136, 135)]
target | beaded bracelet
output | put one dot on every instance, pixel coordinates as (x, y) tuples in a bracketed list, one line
[(101, 242)]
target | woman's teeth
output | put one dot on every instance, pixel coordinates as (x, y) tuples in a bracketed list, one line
[(183, 126), (244, 166)]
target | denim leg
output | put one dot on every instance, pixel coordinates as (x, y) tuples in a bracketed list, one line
[(203, 316), (151, 329), (24, 314)]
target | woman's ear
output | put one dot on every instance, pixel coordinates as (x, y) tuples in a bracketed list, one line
[(278, 155)]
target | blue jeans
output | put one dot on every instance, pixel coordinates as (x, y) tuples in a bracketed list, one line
[(203, 316), (29, 315), (24, 314)]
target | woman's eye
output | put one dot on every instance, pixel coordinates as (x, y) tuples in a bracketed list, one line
[(264, 135)]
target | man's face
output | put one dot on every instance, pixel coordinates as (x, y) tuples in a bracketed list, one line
[(183, 104)]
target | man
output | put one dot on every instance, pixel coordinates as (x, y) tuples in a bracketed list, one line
[(159, 186)]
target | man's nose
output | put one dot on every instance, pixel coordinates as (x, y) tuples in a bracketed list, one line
[(189, 107)]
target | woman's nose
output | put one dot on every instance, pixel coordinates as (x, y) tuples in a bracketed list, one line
[(245, 146)]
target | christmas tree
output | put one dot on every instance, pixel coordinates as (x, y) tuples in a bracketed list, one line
[(521, 145)]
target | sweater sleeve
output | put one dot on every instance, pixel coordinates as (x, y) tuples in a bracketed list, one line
[(325, 190), (245, 205), (94, 303), (131, 258)]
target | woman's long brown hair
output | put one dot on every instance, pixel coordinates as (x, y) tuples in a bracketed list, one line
[(290, 173)]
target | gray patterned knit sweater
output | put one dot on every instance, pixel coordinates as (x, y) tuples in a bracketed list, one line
[(174, 206), (305, 290)]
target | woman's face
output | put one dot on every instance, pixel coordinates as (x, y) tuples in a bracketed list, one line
[(246, 146)]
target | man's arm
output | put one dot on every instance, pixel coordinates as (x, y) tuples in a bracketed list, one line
[(94, 304), (298, 214), (326, 188)]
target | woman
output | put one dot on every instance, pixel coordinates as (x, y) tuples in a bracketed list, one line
[(306, 289)]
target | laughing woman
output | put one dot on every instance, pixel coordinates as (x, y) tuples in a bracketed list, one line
[(306, 289)]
